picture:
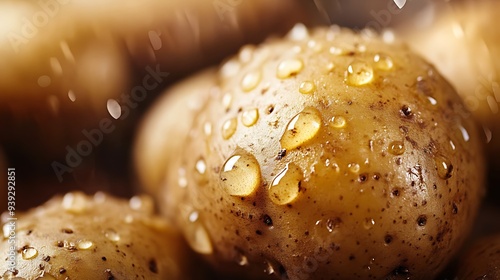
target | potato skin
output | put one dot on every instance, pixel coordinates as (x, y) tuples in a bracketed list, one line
[(482, 261), (380, 180), (100, 237)]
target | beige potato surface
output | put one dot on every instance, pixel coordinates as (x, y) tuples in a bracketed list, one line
[(325, 155), (83, 237)]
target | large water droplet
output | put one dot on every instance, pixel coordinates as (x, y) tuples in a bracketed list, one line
[(302, 128), (359, 73), (289, 67), (84, 244), (250, 81), (285, 187), (29, 253), (396, 148), (383, 62), (240, 174), (444, 167), (338, 122), (112, 235), (74, 202), (307, 87), (249, 117), (229, 128)]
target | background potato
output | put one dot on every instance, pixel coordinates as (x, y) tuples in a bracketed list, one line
[(100, 237), (165, 127), (464, 47), (325, 155)]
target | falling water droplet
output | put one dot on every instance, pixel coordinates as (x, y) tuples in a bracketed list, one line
[(302, 128), (155, 40), (240, 174), (359, 73), (71, 96), (55, 65), (229, 128), (286, 186), (114, 108)]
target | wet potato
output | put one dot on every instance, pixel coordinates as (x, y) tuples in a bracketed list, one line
[(101, 237), (326, 155)]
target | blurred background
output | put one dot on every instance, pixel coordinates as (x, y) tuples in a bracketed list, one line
[(77, 77)]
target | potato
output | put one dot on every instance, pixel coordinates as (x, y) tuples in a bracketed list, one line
[(482, 261), (99, 237), (464, 47), (327, 154), (152, 144)]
